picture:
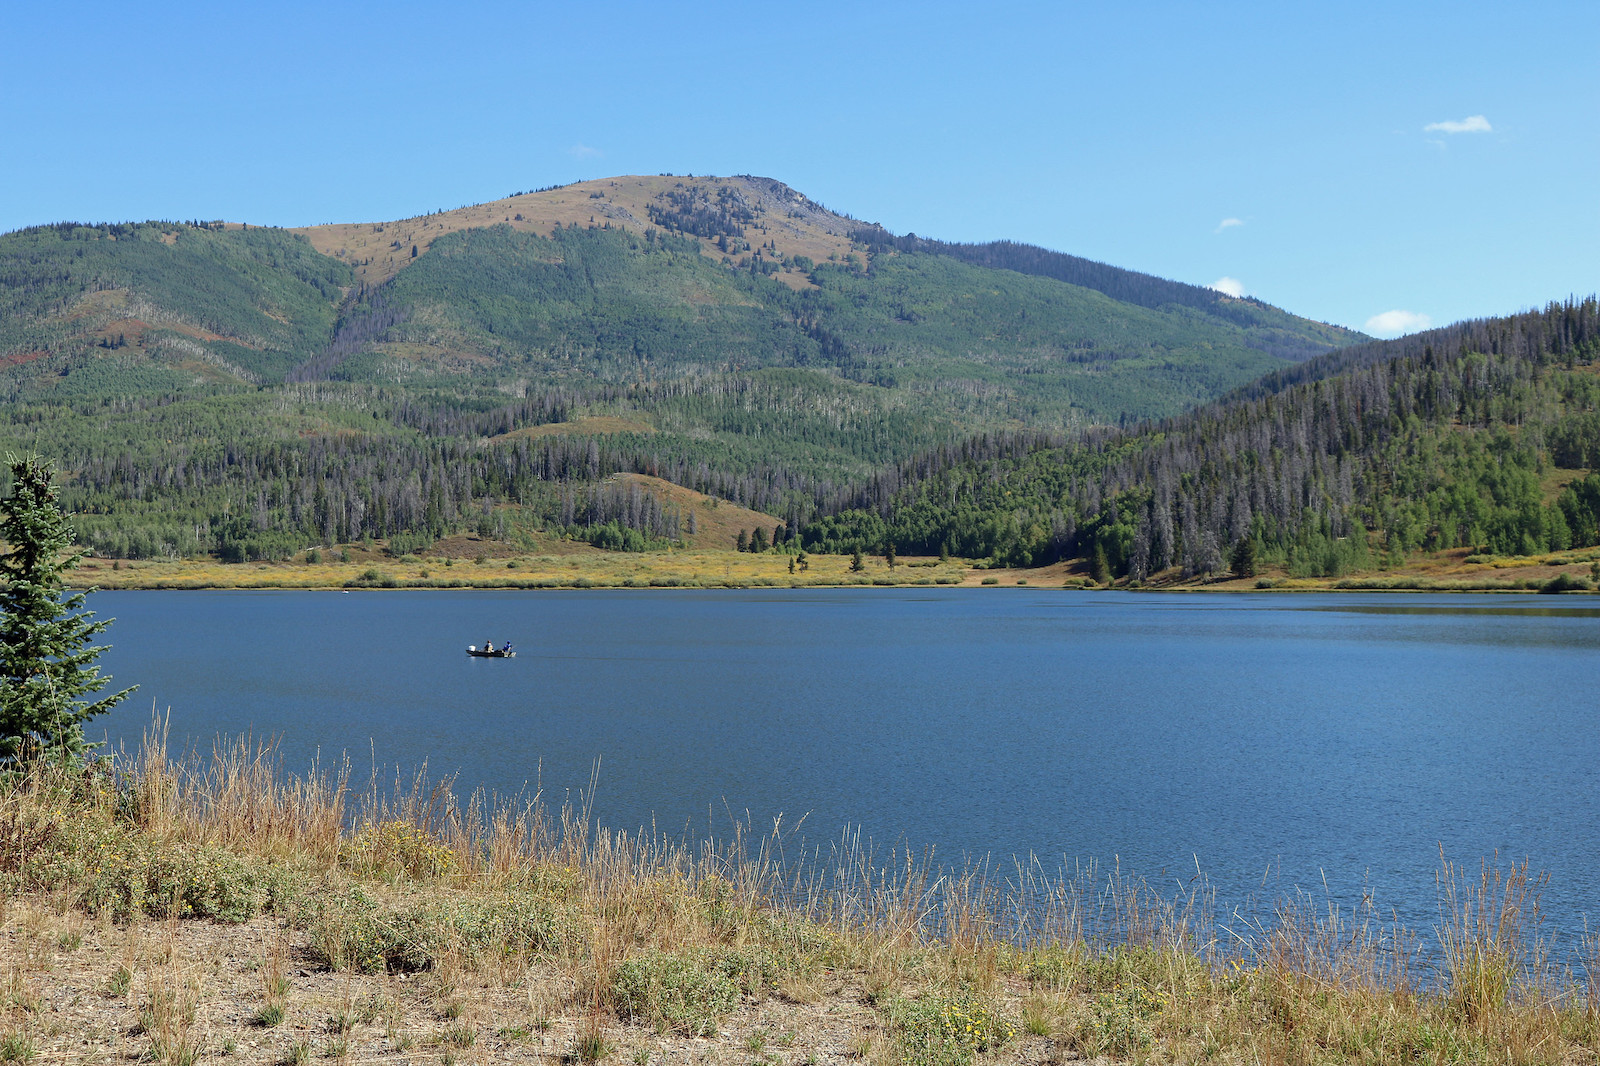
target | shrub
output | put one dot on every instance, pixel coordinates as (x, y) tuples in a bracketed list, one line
[(352, 930), (1055, 968), (941, 1031), (394, 849), (1564, 582), (1122, 1017), (688, 993), (183, 881), (116, 871)]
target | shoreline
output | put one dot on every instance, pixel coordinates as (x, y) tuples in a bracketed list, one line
[(217, 907), (711, 569)]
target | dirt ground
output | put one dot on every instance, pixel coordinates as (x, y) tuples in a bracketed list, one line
[(77, 990)]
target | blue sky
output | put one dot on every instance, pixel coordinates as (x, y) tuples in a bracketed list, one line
[(1424, 162)]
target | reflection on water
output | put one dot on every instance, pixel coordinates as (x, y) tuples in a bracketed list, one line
[(1275, 739)]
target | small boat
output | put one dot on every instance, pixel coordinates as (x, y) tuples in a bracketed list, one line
[(482, 653)]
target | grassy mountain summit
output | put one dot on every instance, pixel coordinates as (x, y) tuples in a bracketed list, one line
[(212, 385), (714, 208)]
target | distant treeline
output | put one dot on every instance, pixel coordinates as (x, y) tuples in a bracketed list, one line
[(260, 473), (266, 499), (1563, 332)]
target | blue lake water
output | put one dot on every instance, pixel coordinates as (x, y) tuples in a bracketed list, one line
[(1277, 740)]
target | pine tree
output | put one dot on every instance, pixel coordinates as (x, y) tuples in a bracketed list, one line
[(46, 661), (1099, 567), (1243, 560), (857, 564)]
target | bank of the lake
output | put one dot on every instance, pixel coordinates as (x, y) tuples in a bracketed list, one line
[(467, 562), (496, 566), (213, 909)]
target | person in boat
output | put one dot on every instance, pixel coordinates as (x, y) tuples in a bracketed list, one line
[(488, 646)]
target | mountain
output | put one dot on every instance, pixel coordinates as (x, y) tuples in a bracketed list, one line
[(211, 384), (641, 278), (1484, 435)]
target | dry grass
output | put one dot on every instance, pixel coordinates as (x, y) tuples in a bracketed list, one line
[(468, 562), (1451, 570), (216, 907), (716, 523)]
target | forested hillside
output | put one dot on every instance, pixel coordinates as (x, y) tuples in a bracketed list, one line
[(1270, 329), (108, 310), (210, 387), (1485, 434)]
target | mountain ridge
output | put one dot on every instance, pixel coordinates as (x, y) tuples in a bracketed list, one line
[(251, 390)]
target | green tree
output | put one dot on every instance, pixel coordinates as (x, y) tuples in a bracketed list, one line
[(857, 564), (1099, 568), (46, 660), (888, 554), (1243, 560), (758, 539)]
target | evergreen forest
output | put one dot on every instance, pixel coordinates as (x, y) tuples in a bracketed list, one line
[(1482, 435)]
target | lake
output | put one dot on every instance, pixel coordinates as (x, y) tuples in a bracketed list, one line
[(1276, 740)]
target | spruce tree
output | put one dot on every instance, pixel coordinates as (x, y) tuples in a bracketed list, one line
[(46, 660), (1243, 560), (1099, 566)]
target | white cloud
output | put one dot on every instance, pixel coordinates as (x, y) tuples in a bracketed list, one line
[(1228, 223), (1228, 286), (1397, 323), (583, 151), (1470, 124)]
